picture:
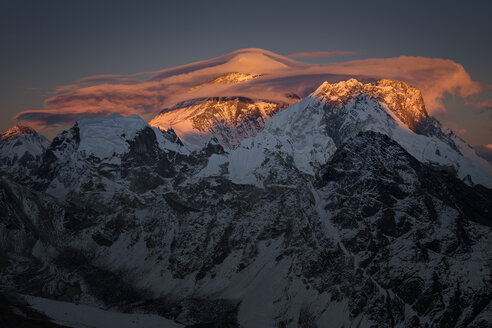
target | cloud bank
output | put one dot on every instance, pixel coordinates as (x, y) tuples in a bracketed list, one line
[(486, 104), (322, 54), (146, 94)]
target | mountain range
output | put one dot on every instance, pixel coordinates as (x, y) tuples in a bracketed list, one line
[(349, 206)]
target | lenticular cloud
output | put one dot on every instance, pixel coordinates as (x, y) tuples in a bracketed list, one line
[(258, 74)]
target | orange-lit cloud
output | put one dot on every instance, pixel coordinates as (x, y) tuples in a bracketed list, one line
[(486, 104), (322, 54), (146, 94)]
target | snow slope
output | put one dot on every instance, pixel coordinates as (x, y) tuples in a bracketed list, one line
[(85, 316)]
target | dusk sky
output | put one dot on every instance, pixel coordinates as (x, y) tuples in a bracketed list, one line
[(49, 44)]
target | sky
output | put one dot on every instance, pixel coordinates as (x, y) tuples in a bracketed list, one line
[(49, 44)]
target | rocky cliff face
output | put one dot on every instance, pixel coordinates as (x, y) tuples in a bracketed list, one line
[(404, 101), (325, 218)]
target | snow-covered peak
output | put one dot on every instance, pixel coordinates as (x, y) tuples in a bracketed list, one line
[(403, 100), (335, 91), (21, 146), (96, 145), (228, 78), (229, 119), (17, 130), (104, 137), (235, 78), (109, 137), (309, 132)]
